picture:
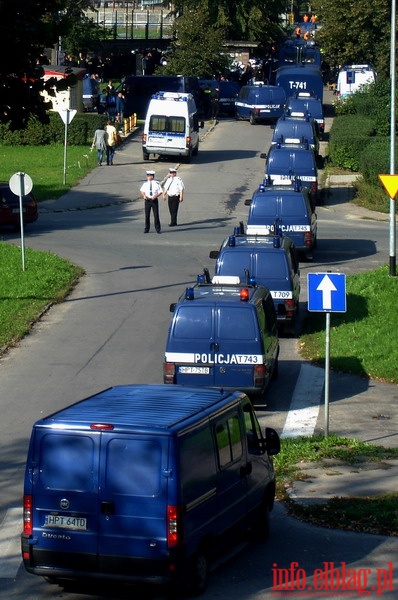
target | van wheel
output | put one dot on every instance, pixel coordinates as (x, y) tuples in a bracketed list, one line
[(145, 155), (275, 372), (261, 526), (252, 119), (195, 150), (199, 574)]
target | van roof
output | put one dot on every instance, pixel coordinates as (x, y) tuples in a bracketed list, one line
[(138, 408)]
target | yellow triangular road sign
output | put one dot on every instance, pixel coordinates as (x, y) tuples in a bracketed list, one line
[(390, 182)]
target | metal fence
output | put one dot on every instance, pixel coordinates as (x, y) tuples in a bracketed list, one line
[(122, 20)]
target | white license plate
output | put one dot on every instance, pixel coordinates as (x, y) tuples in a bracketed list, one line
[(195, 370), (15, 211), (65, 522)]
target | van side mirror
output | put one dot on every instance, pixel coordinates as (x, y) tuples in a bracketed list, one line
[(248, 201), (214, 253), (272, 441), (263, 155), (173, 306)]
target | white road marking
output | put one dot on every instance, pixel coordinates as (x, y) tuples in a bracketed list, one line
[(304, 407), (10, 543)]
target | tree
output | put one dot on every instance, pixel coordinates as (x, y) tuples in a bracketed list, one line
[(196, 49), (251, 20), (26, 29), (355, 32)]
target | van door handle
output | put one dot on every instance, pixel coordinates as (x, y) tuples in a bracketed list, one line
[(107, 508), (215, 346)]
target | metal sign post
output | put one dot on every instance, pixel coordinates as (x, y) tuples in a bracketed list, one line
[(67, 116), (21, 185), (326, 293)]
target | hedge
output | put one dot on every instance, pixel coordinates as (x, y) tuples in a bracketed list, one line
[(349, 135), (375, 160), (80, 131)]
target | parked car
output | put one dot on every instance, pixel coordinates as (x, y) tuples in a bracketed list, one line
[(273, 263), (10, 208)]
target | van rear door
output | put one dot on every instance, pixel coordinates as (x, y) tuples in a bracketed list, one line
[(132, 502), (166, 133), (99, 501)]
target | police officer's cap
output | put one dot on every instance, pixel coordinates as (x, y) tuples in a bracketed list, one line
[(171, 170), (150, 172)]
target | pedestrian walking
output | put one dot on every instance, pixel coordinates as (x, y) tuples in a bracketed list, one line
[(215, 103), (99, 142), (174, 190), (111, 139), (150, 191)]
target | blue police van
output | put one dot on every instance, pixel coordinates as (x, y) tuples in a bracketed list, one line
[(297, 128), (260, 103), (286, 210), (273, 263), (305, 77), (223, 333), (284, 163), (312, 105), (145, 483)]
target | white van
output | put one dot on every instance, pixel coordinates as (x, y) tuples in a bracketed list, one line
[(352, 77), (171, 126)]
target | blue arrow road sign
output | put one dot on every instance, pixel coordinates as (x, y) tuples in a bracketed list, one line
[(326, 292)]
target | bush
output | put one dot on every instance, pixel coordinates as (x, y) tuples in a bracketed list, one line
[(37, 133), (375, 159), (347, 139)]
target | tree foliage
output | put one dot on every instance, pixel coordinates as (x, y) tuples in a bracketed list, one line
[(251, 20), (196, 49), (355, 32), (26, 29)]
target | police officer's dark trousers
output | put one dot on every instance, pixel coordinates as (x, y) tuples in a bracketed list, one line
[(174, 203), (152, 205)]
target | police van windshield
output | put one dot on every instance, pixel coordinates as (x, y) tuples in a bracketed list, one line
[(261, 265), (166, 124)]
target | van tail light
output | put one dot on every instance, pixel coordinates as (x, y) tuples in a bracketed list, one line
[(290, 308), (314, 187), (256, 111), (174, 526), (143, 139), (187, 142), (27, 514), (308, 238), (169, 372), (259, 375)]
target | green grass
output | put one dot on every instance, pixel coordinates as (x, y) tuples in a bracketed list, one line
[(361, 340), (24, 295), (45, 165), (370, 514)]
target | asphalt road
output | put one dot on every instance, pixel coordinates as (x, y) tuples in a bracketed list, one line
[(112, 330)]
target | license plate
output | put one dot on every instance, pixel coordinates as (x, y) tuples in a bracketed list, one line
[(65, 522), (195, 370), (15, 211)]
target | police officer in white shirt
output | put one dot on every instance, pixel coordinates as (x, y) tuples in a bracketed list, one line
[(150, 191), (174, 189)]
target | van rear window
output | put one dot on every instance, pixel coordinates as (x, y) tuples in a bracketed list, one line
[(133, 467), (67, 462), (288, 207), (236, 323), (261, 265), (193, 324), (166, 124)]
